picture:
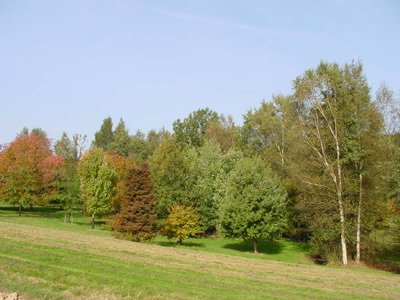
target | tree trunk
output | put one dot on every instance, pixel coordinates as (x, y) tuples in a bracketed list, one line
[(342, 225), (72, 217), (31, 207), (93, 221), (358, 255), (340, 197), (20, 210), (65, 217), (255, 241)]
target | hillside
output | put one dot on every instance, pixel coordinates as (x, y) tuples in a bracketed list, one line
[(58, 263)]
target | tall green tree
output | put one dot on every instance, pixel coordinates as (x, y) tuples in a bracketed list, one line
[(97, 178), (387, 231), (68, 184), (268, 131), (192, 130), (173, 175), (254, 202), (121, 140), (138, 150), (333, 111), (71, 149), (208, 163), (155, 139), (224, 132), (104, 136)]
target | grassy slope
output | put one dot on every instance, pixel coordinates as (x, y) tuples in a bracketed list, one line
[(41, 257)]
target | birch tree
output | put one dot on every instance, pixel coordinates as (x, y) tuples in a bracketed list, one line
[(318, 99)]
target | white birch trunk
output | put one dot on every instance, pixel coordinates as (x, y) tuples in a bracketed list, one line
[(358, 241)]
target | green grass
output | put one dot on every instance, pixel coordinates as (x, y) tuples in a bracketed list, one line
[(41, 257), (279, 250)]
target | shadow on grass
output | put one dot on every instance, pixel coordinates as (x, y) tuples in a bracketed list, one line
[(264, 246), (38, 211), (187, 244)]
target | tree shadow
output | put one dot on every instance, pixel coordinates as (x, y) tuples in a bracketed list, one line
[(38, 211), (264, 246), (187, 244)]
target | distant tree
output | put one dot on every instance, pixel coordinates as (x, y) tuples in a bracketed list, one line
[(254, 203), (208, 163), (71, 149), (138, 148), (97, 183), (104, 136), (181, 224), (120, 165), (191, 131), (156, 139), (68, 194), (137, 219), (223, 131), (174, 176), (268, 131), (121, 140), (24, 131), (38, 131), (22, 170)]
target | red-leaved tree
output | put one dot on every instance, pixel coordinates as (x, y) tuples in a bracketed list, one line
[(137, 219)]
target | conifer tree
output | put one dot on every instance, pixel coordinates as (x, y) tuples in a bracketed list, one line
[(137, 219), (121, 140), (104, 136)]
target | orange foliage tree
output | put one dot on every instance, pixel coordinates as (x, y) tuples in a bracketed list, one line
[(120, 165), (24, 170)]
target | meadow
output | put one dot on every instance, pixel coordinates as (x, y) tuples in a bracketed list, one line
[(41, 257)]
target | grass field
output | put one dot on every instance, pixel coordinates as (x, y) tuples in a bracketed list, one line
[(43, 258)]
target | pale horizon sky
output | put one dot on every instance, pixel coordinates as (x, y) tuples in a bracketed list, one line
[(67, 65)]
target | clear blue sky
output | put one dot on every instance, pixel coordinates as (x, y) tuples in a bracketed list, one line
[(67, 65)]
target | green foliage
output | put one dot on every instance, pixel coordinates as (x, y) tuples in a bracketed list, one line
[(137, 219), (191, 131), (104, 137), (172, 171), (138, 148), (182, 223), (224, 132), (253, 206), (156, 139), (97, 178), (120, 140), (67, 183), (207, 167)]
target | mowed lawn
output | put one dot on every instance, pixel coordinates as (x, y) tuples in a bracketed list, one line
[(43, 258)]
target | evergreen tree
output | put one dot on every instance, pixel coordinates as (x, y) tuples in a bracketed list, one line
[(137, 219), (104, 136), (121, 140)]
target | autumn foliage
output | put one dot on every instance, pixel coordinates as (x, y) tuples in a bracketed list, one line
[(182, 223), (27, 167), (137, 219)]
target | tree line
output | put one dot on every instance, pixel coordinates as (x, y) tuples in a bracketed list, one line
[(320, 166)]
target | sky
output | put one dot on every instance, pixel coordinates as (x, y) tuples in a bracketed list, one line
[(67, 65)]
